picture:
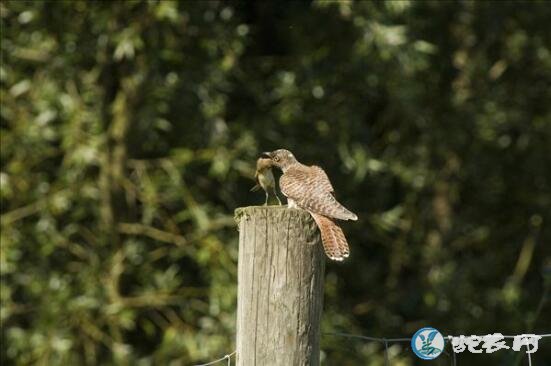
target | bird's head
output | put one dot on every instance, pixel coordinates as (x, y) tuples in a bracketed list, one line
[(263, 163), (281, 158)]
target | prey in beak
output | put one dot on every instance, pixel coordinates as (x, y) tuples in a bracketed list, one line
[(265, 178)]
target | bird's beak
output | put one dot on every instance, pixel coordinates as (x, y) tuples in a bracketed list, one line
[(266, 155)]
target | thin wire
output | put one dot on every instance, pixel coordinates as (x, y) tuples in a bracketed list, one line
[(529, 359), (387, 361), (226, 357), (382, 340)]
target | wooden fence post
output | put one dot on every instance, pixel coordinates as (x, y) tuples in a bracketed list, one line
[(280, 287)]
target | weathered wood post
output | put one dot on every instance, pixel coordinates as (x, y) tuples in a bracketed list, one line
[(280, 287)]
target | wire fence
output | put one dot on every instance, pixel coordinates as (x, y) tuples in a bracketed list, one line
[(225, 358), (385, 342)]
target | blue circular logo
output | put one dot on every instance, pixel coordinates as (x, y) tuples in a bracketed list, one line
[(427, 343)]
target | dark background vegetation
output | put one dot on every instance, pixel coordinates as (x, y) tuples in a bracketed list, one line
[(129, 132)]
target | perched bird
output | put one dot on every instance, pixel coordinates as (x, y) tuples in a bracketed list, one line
[(309, 188), (265, 179)]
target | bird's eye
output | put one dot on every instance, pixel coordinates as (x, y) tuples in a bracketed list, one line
[(276, 158)]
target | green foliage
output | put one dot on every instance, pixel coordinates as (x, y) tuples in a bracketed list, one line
[(129, 132)]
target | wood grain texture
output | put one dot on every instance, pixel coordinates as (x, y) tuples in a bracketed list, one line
[(280, 287)]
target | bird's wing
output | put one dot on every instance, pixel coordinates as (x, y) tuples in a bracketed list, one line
[(257, 185), (311, 191), (324, 179)]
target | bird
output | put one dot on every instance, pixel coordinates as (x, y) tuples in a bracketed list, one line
[(265, 179), (309, 188)]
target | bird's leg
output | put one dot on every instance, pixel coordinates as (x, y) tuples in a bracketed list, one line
[(266, 202), (274, 192)]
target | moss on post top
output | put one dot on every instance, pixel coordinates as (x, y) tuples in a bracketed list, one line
[(267, 210)]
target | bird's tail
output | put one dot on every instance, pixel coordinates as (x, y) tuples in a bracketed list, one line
[(334, 242)]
